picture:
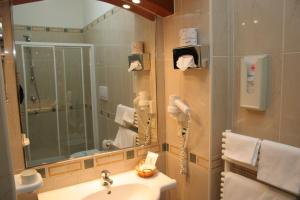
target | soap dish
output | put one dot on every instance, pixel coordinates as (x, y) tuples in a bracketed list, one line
[(144, 172)]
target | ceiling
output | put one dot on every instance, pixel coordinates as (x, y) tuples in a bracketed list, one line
[(146, 8)]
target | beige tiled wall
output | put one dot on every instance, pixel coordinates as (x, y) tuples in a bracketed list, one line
[(193, 86), (221, 92), (276, 34), (112, 46), (112, 37), (235, 35), (38, 35)]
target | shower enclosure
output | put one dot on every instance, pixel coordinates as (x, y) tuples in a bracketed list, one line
[(59, 109)]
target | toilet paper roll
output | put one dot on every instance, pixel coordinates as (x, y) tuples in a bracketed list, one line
[(137, 47), (188, 37), (106, 144), (186, 61)]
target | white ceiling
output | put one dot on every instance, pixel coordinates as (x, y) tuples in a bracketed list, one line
[(59, 13)]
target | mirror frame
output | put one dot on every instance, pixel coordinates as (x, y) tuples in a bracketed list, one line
[(147, 8)]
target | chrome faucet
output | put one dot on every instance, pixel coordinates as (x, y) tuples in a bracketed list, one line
[(106, 181)]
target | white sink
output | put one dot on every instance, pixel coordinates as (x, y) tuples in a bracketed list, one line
[(130, 191), (126, 186)]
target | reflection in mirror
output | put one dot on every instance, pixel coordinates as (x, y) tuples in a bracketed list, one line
[(79, 93), (1, 39), (2, 52)]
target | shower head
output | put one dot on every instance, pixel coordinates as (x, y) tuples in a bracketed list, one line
[(33, 99)]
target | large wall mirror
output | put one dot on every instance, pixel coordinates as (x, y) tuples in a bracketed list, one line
[(86, 76)]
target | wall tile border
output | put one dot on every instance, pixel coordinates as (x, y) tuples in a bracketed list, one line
[(201, 161), (143, 151), (46, 29), (77, 164), (92, 24), (110, 158), (65, 168)]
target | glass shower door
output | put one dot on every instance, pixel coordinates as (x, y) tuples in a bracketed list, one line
[(57, 114), (39, 110), (75, 101)]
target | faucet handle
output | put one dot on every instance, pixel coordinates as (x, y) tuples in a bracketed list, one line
[(105, 173)]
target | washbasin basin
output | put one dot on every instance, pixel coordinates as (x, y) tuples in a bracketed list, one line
[(126, 186), (130, 191)]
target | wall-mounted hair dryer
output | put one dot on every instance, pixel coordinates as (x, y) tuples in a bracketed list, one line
[(143, 102), (144, 105), (178, 109), (181, 112)]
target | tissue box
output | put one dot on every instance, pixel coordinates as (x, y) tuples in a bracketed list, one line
[(199, 52), (144, 59)]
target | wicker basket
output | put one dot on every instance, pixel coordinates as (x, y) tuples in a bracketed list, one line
[(144, 173)]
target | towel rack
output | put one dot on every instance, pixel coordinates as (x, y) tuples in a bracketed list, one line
[(228, 163), (135, 120)]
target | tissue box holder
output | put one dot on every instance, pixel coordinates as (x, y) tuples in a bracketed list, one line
[(144, 59), (199, 52)]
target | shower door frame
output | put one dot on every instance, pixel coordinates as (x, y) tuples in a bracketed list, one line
[(92, 83)]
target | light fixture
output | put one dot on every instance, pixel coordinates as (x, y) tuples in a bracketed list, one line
[(126, 6), (136, 1), (255, 21)]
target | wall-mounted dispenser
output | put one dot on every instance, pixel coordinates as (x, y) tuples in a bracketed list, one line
[(139, 62), (138, 59), (103, 92), (254, 82), (196, 56)]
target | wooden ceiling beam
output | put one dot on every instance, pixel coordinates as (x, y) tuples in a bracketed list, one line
[(134, 8), (162, 8), (18, 2)]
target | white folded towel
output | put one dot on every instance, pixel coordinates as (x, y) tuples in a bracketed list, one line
[(124, 115), (241, 148), (279, 165), (128, 116), (188, 36), (125, 138), (237, 187)]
